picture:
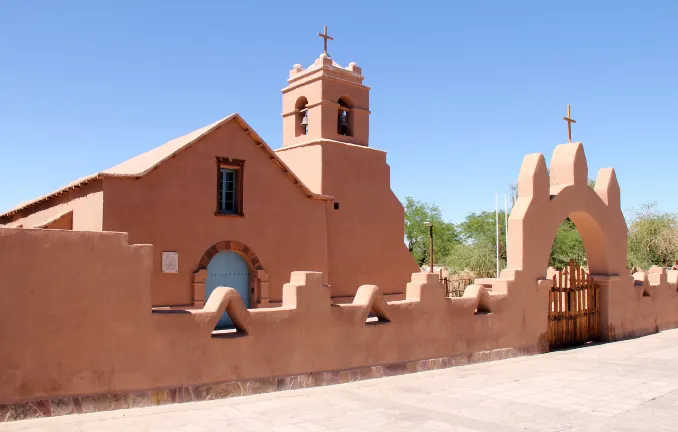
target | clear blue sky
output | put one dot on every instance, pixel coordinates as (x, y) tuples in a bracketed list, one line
[(460, 90)]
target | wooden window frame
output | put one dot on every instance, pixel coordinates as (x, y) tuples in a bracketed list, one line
[(237, 165)]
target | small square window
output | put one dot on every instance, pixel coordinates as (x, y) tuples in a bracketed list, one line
[(336, 206), (229, 186)]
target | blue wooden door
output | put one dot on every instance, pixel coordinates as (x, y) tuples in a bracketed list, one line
[(228, 269)]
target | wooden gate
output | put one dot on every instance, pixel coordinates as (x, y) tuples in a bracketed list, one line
[(455, 287), (574, 308)]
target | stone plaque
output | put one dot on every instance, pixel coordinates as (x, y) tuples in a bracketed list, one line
[(170, 262)]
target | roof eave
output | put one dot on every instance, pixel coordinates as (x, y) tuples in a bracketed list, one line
[(235, 116), (84, 182)]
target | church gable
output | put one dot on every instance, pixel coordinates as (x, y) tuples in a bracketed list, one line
[(144, 163), (225, 172), (225, 186), (233, 163)]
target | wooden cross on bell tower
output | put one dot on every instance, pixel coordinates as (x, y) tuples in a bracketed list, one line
[(325, 36), (569, 121)]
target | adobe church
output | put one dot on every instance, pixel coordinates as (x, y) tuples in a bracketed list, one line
[(222, 209)]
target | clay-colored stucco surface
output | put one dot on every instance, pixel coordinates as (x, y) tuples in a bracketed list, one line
[(76, 316)]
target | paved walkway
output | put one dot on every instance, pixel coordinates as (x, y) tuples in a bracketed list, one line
[(623, 386)]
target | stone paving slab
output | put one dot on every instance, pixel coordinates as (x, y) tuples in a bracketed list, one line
[(623, 386)]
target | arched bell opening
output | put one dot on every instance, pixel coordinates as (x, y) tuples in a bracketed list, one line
[(345, 117), (301, 117)]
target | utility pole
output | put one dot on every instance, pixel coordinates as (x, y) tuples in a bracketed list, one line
[(430, 243)]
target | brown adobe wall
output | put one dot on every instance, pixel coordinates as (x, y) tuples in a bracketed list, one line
[(643, 303), (83, 324), (74, 311)]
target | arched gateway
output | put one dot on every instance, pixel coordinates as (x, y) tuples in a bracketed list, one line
[(545, 199)]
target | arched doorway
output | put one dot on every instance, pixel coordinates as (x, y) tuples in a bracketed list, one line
[(574, 301), (258, 276), (228, 269)]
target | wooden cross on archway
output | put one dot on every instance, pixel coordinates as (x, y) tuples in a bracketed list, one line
[(569, 121)]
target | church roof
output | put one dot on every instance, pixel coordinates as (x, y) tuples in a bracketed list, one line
[(142, 164)]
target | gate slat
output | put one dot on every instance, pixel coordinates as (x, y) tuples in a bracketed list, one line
[(561, 312), (571, 335), (580, 322)]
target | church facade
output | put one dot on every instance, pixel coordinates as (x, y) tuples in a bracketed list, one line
[(221, 208)]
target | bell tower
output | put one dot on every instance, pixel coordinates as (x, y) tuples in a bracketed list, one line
[(325, 102), (326, 144)]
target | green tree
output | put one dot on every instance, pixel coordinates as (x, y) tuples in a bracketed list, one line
[(477, 250), (417, 234), (481, 228), (567, 246), (653, 237), (478, 258)]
